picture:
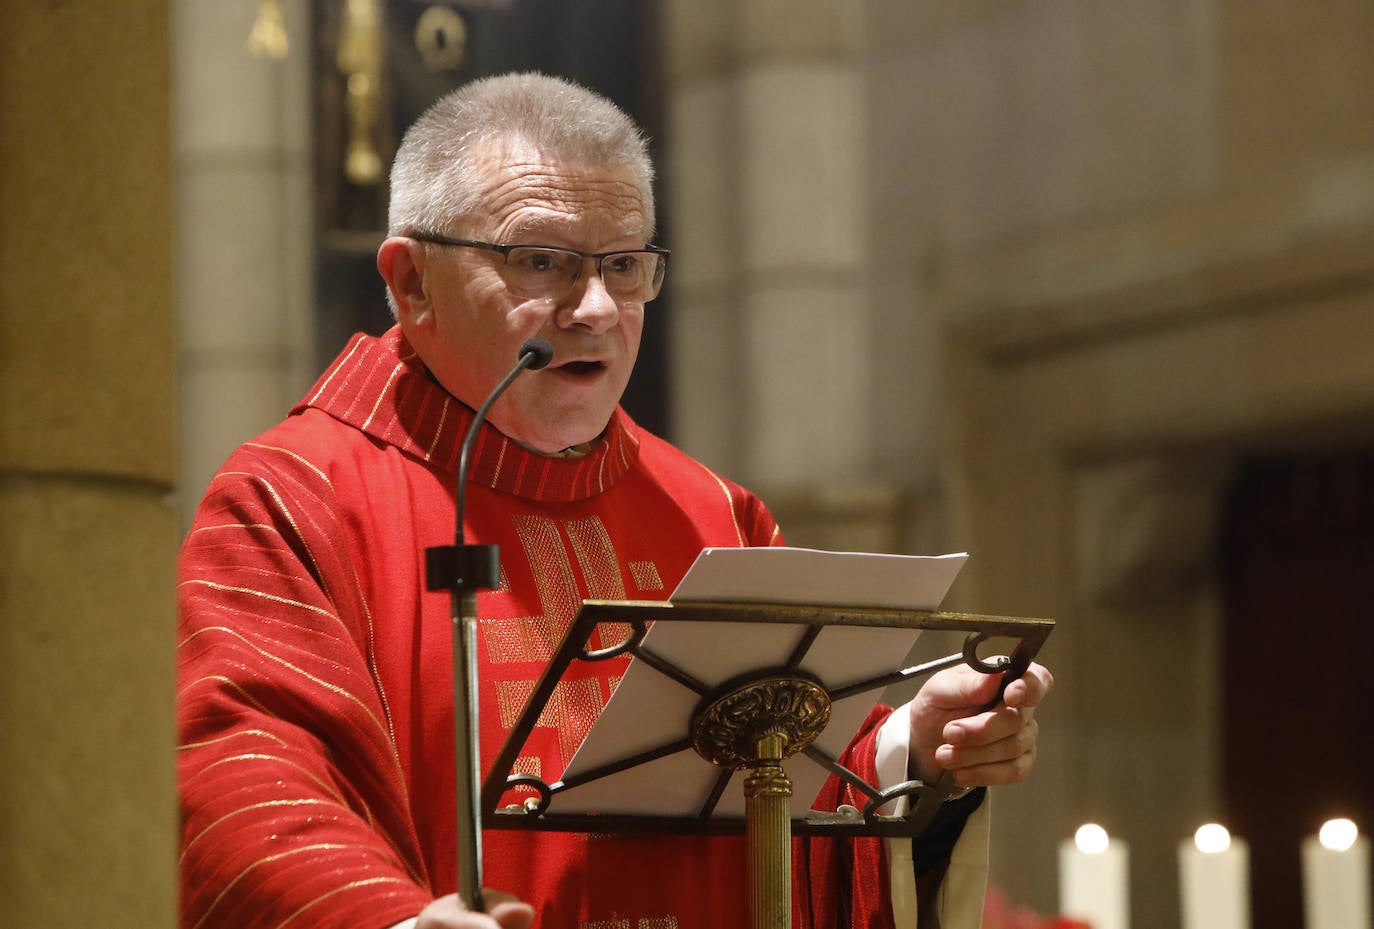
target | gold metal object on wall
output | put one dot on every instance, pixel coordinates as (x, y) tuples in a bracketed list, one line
[(360, 58), (268, 36), (441, 37)]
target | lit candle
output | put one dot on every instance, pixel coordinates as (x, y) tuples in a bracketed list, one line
[(1093, 878), (1214, 874), (1335, 877)]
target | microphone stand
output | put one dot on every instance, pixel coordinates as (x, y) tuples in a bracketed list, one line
[(463, 570)]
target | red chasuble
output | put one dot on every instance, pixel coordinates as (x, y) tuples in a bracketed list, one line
[(315, 678)]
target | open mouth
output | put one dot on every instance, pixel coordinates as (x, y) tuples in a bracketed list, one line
[(582, 368)]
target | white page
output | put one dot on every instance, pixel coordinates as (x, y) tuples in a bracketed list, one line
[(649, 709)]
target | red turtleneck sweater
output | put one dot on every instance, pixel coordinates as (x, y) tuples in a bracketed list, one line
[(315, 682)]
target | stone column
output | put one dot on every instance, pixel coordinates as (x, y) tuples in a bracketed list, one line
[(244, 230), (87, 536), (775, 347)]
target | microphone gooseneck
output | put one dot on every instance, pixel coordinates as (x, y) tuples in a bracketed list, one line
[(534, 354)]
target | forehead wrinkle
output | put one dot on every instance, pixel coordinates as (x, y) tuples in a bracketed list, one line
[(532, 196)]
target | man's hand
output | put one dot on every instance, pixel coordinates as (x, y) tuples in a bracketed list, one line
[(948, 733), (504, 912)]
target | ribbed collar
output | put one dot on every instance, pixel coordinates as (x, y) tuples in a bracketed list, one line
[(380, 386)]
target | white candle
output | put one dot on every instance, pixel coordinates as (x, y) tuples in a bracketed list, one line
[(1214, 874), (1335, 877), (1093, 878)]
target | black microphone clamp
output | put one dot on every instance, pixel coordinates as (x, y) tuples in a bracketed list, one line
[(462, 567)]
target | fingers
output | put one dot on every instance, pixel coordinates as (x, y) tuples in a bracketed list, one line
[(507, 910), (503, 912), (513, 915), (1030, 688), (963, 688), (960, 689), (997, 746), (1001, 761)]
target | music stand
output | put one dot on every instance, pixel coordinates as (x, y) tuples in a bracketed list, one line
[(751, 722)]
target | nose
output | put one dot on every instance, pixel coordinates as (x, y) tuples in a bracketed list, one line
[(590, 305)]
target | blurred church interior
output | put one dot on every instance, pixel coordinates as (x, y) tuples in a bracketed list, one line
[(1083, 289)]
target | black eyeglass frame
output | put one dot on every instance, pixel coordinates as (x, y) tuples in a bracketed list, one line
[(505, 250)]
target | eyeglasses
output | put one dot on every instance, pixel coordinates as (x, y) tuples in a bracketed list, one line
[(541, 272)]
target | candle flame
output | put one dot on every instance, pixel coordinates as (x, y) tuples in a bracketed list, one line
[(1091, 839), (1338, 834), (1212, 838)]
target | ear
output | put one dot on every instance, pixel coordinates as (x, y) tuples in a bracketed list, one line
[(401, 262)]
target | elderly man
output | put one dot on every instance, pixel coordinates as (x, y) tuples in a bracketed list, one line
[(315, 700)]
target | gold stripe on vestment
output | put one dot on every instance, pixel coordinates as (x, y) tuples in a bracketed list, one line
[(596, 557), (646, 575), (293, 455), (523, 639), (320, 682), (303, 801), (338, 890), (321, 846), (575, 706), (511, 697), (233, 735)]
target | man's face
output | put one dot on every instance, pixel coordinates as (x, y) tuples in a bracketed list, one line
[(472, 335)]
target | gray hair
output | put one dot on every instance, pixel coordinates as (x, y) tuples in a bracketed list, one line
[(434, 181)]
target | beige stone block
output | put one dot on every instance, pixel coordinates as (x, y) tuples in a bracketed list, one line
[(786, 29), (87, 787), (226, 98), (806, 397), (708, 379), (1298, 87), (902, 164), (903, 380), (698, 37), (1039, 114), (704, 181), (297, 218), (844, 516), (1339, 192), (86, 346), (894, 26), (226, 398), (803, 158), (297, 88), (232, 263)]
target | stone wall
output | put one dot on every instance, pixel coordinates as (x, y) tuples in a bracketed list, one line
[(1100, 252), (87, 463)]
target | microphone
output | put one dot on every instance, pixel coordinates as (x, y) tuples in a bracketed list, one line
[(463, 570), (540, 348)]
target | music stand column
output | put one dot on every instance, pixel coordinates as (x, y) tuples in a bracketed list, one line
[(752, 725), (768, 823)]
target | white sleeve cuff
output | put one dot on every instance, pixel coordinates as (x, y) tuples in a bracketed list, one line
[(407, 924), (892, 754)]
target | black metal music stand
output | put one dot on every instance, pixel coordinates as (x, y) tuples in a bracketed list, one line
[(751, 723)]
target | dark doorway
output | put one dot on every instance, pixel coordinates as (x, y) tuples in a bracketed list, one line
[(1297, 563)]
